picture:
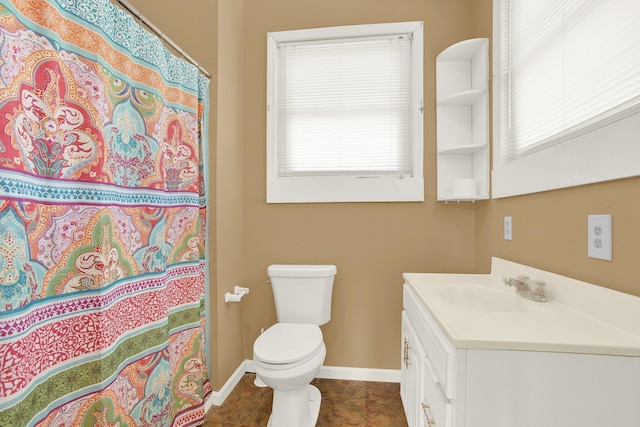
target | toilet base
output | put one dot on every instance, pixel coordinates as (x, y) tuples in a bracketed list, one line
[(295, 407)]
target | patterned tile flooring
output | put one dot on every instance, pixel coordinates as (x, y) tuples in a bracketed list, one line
[(344, 403)]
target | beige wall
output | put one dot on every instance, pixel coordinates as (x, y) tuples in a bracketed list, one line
[(229, 176), (550, 232), (372, 244)]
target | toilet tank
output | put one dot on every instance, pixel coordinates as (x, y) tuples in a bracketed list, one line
[(302, 293)]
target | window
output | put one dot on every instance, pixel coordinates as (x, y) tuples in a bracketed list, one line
[(566, 93), (344, 116)]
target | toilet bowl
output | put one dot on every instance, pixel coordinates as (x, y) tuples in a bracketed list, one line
[(289, 354), (287, 357)]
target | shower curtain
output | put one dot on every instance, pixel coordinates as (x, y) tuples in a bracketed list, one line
[(102, 221)]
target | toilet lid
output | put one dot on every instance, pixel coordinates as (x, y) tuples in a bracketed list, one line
[(285, 343)]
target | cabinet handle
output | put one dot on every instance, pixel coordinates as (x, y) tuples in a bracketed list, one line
[(404, 351), (426, 409), (407, 347)]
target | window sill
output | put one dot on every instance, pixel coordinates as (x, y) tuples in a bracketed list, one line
[(345, 189), (605, 154)]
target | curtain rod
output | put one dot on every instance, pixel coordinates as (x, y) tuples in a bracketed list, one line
[(132, 10)]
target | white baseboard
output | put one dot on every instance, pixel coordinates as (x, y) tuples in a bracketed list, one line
[(217, 398), (360, 374), (353, 374)]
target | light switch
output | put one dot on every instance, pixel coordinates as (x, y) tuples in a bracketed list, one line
[(508, 228)]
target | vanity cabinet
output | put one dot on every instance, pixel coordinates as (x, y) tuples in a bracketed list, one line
[(462, 121), (447, 386)]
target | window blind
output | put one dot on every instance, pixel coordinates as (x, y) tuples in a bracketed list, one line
[(570, 66), (343, 107)]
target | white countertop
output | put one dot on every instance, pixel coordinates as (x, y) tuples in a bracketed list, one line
[(600, 321)]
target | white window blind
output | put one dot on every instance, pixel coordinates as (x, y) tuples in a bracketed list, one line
[(344, 117), (568, 67), (343, 107)]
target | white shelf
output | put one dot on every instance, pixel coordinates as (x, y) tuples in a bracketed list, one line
[(462, 119), (458, 199), (463, 99), (465, 49), (462, 149)]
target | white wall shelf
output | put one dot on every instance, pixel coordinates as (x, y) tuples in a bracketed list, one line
[(462, 122), (463, 99), (458, 199), (462, 149)]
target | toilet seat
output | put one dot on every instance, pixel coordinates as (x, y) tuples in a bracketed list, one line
[(286, 345)]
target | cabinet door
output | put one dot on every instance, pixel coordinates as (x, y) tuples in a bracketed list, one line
[(437, 409), (411, 373)]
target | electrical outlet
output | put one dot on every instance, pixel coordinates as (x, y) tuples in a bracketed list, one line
[(599, 237), (508, 228)]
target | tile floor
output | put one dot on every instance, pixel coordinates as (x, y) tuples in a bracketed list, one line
[(344, 403)]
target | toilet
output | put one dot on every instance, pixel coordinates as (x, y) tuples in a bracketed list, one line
[(289, 354)]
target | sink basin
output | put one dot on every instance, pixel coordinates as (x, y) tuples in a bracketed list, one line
[(476, 298)]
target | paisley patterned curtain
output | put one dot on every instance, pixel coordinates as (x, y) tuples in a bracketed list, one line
[(102, 221)]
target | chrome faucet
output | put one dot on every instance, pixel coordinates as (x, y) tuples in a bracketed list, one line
[(533, 290)]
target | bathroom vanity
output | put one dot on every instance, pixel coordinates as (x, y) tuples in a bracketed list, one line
[(475, 354)]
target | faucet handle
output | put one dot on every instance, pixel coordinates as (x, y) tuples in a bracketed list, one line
[(523, 278), (538, 290)]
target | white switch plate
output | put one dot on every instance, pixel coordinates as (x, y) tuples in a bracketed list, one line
[(508, 228), (599, 237)]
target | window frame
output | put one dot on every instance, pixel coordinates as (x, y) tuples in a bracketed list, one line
[(345, 188), (603, 151)]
